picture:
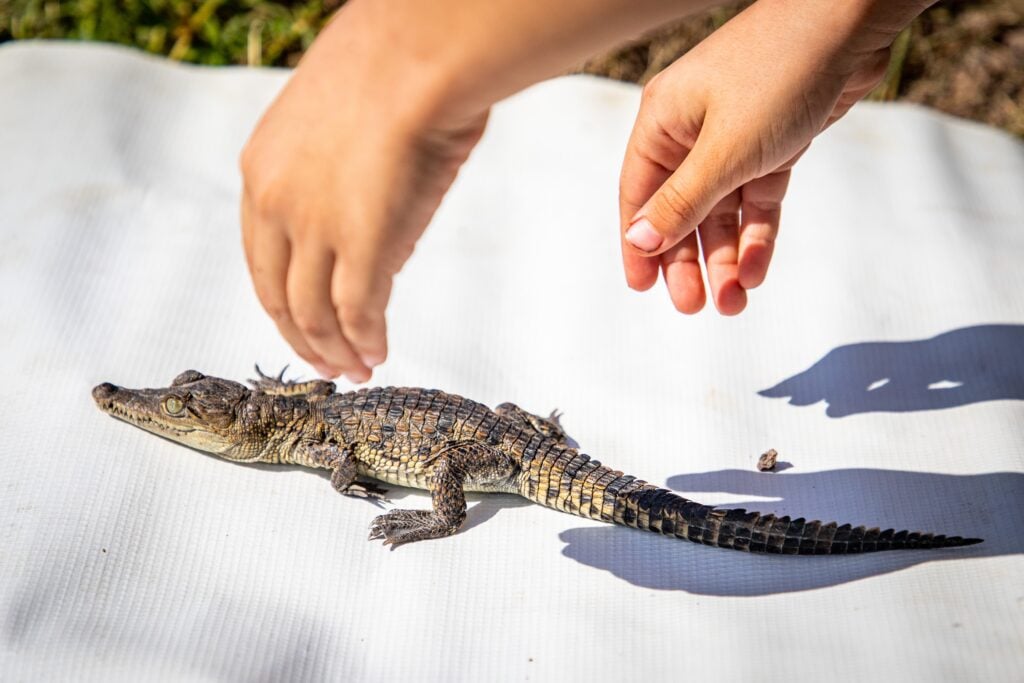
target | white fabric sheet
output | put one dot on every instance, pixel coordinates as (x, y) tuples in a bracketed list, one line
[(892, 318)]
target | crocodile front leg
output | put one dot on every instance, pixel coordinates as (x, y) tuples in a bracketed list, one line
[(342, 464)]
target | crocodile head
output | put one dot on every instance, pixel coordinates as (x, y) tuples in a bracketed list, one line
[(206, 413)]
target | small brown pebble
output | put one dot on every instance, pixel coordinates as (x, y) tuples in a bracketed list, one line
[(766, 463)]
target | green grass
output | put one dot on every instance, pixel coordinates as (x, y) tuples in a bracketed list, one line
[(208, 32)]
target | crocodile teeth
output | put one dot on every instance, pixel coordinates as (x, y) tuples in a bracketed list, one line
[(142, 419)]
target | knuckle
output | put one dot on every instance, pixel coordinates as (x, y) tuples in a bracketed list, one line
[(650, 90), (264, 198), (266, 195), (759, 234), (274, 305), (278, 312), (764, 205), (727, 220), (312, 326), (676, 206), (355, 318)]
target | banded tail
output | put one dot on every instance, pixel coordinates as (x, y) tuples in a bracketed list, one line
[(571, 482)]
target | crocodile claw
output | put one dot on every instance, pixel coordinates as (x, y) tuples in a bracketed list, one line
[(367, 490), (403, 526), (266, 381)]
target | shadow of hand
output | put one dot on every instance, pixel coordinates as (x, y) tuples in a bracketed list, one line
[(967, 365)]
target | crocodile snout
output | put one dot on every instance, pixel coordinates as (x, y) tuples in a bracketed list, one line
[(104, 392)]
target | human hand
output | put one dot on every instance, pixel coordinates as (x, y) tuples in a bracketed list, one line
[(718, 131), (341, 177), (345, 169)]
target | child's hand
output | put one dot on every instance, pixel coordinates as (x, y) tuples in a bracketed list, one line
[(350, 162), (341, 178), (718, 131)]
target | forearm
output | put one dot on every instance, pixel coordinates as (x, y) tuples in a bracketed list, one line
[(480, 52)]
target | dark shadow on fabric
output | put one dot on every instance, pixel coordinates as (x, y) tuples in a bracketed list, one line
[(483, 506), (956, 368), (989, 506), (394, 492)]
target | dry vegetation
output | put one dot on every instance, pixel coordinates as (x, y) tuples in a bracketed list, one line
[(965, 58)]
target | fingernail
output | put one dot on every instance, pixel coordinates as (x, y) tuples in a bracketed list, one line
[(642, 235)]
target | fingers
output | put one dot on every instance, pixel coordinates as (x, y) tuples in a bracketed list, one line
[(719, 235), (308, 286), (301, 291), (738, 239), (705, 176), (360, 295), (761, 210), (313, 306), (650, 156), (683, 278), (268, 252)]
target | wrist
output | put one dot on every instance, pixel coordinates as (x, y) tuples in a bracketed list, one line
[(385, 51), (841, 36), (874, 24)]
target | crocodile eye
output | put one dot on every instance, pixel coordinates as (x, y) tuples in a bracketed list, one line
[(173, 405)]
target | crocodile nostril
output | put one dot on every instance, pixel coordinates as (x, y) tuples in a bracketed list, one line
[(105, 390)]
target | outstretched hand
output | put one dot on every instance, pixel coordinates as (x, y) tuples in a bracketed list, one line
[(348, 165), (716, 136), (341, 177)]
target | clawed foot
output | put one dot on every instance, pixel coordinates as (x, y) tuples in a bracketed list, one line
[(367, 490), (405, 526), (279, 386), (268, 383), (550, 426)]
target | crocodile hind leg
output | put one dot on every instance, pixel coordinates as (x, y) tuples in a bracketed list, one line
[(549, 426), (453, 467), (279, 386), (449, 503)]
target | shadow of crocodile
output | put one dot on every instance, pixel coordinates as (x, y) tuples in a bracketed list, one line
[(481, 506), (990, 506), (962, 366)]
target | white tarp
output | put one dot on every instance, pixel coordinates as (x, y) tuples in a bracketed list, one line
[(892, 318)]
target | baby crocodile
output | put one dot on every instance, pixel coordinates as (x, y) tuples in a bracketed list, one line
[(448, 445)]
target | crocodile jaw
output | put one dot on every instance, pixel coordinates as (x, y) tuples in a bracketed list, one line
[(142, 408)]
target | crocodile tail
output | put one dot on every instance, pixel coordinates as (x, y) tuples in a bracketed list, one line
[(583, 487), (754, 532)]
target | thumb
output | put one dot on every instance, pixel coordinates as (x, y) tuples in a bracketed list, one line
[(708, 173)]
